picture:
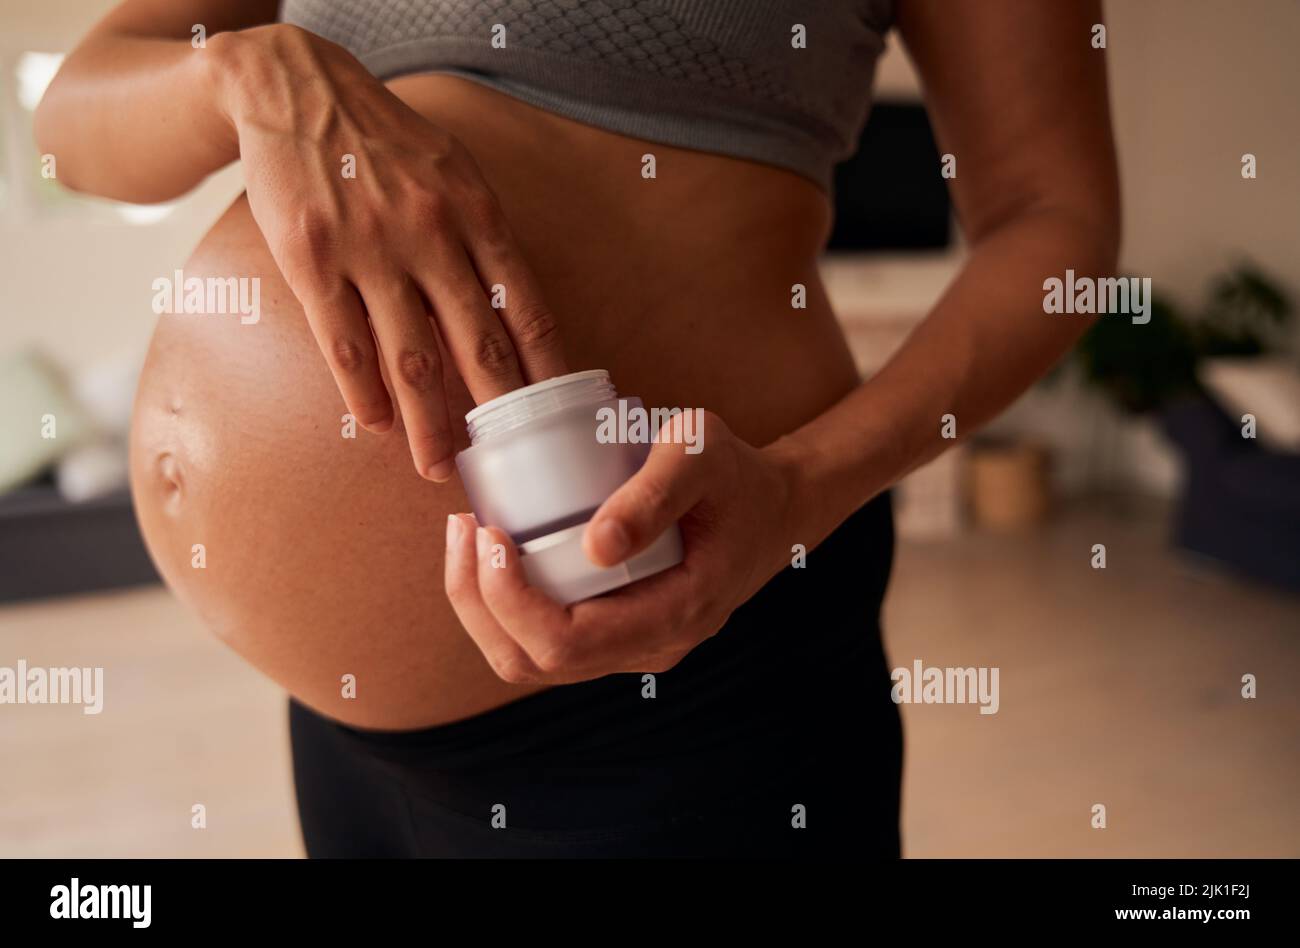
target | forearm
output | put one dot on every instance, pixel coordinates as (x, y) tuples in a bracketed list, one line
[(137, 119), (986, 341)]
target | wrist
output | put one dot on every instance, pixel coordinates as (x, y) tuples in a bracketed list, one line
[(804, 517), (247, 68), (828, 477), (225, 68)]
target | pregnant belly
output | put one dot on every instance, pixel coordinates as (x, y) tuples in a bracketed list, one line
[(312, 548)]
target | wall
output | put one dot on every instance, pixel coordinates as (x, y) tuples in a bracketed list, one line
[(1196, 84)]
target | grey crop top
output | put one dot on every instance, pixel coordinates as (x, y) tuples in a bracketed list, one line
[(720, 76)]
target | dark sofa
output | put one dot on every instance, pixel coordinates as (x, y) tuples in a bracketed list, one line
[(1241, 500)]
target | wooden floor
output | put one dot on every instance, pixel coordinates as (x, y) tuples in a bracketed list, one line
[(1118, 686), (184, 722)]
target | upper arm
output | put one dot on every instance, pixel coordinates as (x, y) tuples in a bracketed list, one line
[(1016, 91), (176, 19)]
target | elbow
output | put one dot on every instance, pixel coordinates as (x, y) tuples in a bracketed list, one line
[(1084, 233), (50, 129), (78, 173), (1083, 239), (1081, 220), (1096, 239), (1094, 221), (45, 122), (1101, 226), (59, 131), (1102, 240), (57, 117)]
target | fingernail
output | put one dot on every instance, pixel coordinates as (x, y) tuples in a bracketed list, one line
[(442, 471), (482, 542), (453, 530), (611, 540), (380, 426)]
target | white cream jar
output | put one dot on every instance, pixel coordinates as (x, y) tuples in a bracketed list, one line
[(536, 469)]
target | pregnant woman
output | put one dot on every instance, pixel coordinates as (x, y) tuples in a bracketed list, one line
[(447, 200)]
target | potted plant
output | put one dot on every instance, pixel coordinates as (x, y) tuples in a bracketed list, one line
[(1151, 367), (1239, 502)]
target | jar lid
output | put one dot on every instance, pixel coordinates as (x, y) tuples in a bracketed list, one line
[(534, 389), (556, 564)]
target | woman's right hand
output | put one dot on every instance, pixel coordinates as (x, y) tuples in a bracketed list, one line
[(416, 229)]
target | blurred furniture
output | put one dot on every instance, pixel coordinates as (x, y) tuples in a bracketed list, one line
[(50, 547), (66, 522), (1267, 387), (1008, 483), (1241, 500), (40, 419)]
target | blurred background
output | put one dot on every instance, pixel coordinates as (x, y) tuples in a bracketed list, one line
[(1120, 686)]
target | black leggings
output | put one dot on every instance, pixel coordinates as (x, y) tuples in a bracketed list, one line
[(775, 738)]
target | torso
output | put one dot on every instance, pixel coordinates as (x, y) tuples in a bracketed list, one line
[(323, 554)]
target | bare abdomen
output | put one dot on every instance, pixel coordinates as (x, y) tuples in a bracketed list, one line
[(322, 554)]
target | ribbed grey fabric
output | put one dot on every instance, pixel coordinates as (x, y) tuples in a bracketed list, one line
[(714, 75)]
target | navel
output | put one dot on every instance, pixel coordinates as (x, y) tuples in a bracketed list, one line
[(171, 476)]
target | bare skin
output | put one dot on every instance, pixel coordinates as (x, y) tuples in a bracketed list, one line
[(325, 555)]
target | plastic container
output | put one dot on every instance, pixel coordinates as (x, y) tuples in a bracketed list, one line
[(536, 469)]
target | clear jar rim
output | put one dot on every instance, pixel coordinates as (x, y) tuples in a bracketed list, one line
[(522, 405)]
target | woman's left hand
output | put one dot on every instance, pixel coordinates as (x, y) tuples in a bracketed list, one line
[(735, 506)]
